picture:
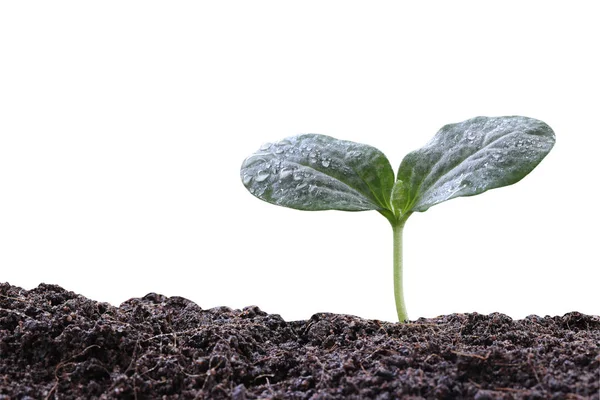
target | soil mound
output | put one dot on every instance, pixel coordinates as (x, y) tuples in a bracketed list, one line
[(55, 344)]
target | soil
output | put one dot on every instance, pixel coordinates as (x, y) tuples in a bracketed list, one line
[(55, 344)]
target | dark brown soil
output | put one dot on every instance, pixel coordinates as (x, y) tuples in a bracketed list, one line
[(59, 345)]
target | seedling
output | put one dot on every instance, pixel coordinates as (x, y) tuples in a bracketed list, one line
[(317, 172)]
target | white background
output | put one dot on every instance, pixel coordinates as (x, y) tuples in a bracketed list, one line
[(123, 126)]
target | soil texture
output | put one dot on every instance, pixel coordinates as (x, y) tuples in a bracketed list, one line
[(55, 344)]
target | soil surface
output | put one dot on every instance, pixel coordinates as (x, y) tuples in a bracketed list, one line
[(55, 344)]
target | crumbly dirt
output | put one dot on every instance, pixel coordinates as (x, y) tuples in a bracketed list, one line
[(55, 344)]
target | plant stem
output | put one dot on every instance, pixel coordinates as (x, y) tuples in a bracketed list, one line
[(398, 227)]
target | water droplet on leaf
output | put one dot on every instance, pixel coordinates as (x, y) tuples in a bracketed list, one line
[(262, 176), (285, 173)]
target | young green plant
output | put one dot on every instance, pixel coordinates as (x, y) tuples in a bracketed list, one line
[(317, 172)]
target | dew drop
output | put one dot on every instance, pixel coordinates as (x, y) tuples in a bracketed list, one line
[(246, 179), (262, 176), (326, 163), (301, 185), (285, 173)]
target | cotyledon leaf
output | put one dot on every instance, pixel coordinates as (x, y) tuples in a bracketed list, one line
[(473, 156), (318, 172)]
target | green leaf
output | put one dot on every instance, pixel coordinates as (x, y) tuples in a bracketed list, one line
[(318, 172), (473, 156), (398, 197)]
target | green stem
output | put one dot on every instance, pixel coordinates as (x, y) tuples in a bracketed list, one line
[(398, 227)]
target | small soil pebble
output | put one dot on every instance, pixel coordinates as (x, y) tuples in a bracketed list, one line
[(55, 344)]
